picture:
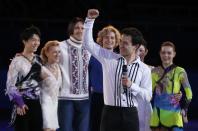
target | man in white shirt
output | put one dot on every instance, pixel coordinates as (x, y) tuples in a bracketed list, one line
[(144, 107), (120, 93), (73, 104)]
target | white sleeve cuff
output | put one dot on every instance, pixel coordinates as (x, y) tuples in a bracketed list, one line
[(89, 23), (135, 89)]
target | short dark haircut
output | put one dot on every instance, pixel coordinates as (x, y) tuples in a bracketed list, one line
[(136, 35), (144, 43), (70, 29), (29, 32)]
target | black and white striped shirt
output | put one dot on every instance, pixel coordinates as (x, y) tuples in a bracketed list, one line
[(112, 63)]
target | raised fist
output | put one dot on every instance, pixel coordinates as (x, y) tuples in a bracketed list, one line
[(92, 13)]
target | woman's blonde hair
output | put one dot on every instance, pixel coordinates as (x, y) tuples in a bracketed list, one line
[(46, 48), (103, 33)]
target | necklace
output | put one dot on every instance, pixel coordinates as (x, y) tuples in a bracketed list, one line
[(27, 58), (53, 68)]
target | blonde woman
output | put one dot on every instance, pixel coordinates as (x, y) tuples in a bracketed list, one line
[(50, 54)]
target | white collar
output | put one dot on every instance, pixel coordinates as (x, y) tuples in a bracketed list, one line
[(72, 41), (75, 40), (137, 60)]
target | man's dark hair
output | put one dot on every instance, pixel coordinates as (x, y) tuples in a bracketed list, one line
[(72, 24), (29, 32), (136, 35), (144, 43)]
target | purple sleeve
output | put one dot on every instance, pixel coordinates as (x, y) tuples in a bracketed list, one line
[(16, 97), (12, 76)]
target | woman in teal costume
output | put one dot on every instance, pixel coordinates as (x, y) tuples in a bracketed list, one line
[(168, 79)]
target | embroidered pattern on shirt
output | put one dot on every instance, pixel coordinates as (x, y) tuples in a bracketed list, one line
[(85, 57), (79, 70)]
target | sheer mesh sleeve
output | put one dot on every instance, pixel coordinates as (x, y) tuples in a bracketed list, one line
[(12, 76), (187, 88)]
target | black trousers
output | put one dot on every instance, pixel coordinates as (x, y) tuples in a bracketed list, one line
[(119, 119), (32, 121), (97, 104)]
